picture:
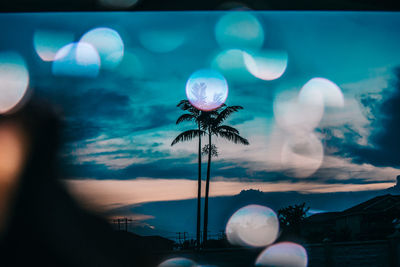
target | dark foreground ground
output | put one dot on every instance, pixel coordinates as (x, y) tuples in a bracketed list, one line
[(367, 253)]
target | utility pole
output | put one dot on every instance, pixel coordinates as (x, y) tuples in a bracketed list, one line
[(184, 236), (122, 223), (179, 238)]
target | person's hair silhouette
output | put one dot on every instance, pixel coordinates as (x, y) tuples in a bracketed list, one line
[(45, 227)]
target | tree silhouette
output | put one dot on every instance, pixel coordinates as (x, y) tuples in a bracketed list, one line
[(291, 217), (193, 115), (212, 124), (206, 150)]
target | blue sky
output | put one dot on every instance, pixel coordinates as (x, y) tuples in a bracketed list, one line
[(119, 124)]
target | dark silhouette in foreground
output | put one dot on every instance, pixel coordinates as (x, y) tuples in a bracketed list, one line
[(291, 219), (374, 219), (212, 123), (45, 226), (194, 115), (208, 123)]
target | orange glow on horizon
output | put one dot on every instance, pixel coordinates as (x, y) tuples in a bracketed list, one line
[(109, 194)]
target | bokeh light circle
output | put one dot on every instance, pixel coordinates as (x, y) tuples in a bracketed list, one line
[(267, 65), (331, 93), (207, 89), (108, 44), (161, 41), (77, 59), (302, 154), (239, 30), (284, 254), (253, 225), (298, 115), (14, 80), (178, 262), (47, 43), (231, 64), (131, 66)]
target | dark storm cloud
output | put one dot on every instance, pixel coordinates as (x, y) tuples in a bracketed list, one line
[(240, 120), (154, 116), (164, 168), (98, 111), (384, 142), (86, 113), (102, 103), (92, 104), (323, 175), (134, 153), (78, 130), (86, 170)]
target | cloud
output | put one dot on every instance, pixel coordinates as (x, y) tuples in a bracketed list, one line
[(382, 148), (134, 156), (77, 130), (152, 116), (89, 113), (241, 119)]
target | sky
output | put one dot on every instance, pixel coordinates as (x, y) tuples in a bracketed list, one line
[(119, 103)]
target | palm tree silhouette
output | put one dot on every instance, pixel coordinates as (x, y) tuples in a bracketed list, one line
[(212, 123), (196, 116)]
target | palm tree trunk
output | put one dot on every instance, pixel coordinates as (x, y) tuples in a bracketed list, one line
[(207, 190), (199, 195)]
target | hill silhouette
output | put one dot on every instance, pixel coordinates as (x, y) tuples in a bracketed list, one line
[(179, 216)]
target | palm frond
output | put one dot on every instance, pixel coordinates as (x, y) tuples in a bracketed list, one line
[(184, 104), (187, 135), (226, 128), (186, 117), (225, 113), (233, 137), (187, 106)]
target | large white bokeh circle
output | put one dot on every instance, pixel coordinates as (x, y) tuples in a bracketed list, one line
[(207, 89), (253, 225)]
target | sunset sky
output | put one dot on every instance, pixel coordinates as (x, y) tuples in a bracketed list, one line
[(120, 122)]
